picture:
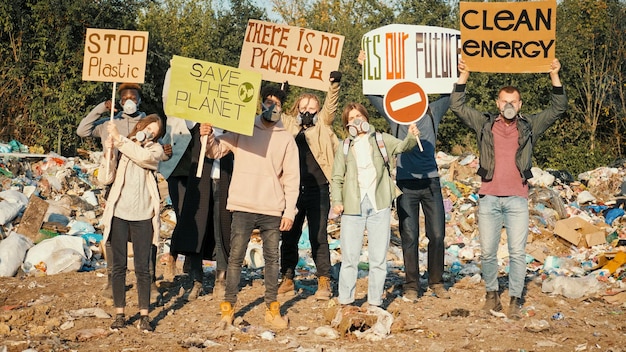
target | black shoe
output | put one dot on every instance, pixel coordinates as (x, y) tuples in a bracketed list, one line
[(119, 322), (144, 324)]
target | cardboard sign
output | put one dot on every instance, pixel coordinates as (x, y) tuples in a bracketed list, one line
[(303, 57), (424, 55), (224, 96), (115, 56), (508, 37)]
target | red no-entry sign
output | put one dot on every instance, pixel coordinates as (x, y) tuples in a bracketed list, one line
[(406, 103)]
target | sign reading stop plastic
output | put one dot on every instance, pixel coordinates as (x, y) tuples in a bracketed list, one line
[(406, 103)]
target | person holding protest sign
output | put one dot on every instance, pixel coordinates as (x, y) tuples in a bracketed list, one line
[(126, 117), (363, 191), (263, 194), (177, 146), (133, 209), (94, 125), (203, 223), (312, 128), (417, 176), (505, 143), (203, 229)]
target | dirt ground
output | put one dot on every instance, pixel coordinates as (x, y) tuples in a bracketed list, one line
[(56, 313)]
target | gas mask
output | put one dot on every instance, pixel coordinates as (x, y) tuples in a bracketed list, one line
[(358, 126), (306, 118), (271, 114), (143, 136), (130, 107), (509, 112)]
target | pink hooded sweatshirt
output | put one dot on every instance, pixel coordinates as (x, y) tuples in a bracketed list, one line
[(266, 173)]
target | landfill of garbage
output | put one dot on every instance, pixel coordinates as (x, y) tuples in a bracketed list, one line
[(50, 209)]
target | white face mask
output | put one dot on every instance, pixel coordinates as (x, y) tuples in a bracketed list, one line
[(130, 107)]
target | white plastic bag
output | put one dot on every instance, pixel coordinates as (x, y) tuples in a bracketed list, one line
[(12, 252), (60, 254), (13, 202), (572, 287), (8, 211)]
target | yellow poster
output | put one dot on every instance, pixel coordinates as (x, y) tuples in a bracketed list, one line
[(508, 37), (115, 55), (224, 96)]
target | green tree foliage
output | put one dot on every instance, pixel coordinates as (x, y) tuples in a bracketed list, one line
[(42, 95)]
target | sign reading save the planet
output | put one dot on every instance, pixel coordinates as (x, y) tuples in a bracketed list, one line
[(201, 91)]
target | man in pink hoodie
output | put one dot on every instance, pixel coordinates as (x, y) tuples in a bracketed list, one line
[(262, 194)]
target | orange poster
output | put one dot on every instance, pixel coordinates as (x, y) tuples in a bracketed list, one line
[(508, 37)]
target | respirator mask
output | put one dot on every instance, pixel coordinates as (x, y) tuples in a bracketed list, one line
[(143, 136), (271, 113), (358, 126), (306, 118), (130, 107), (509, 112)]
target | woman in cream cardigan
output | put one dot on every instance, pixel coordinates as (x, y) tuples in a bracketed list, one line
[(132, 208)]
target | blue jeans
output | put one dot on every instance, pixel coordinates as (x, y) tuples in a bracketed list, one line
[(512, 213), (241, 229), (314, 204), (378, 235), (427, 193)]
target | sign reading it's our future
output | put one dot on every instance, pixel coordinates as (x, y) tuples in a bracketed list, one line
[(224, 96), (508, 37), (115, 55), (424, 55), (303, 57)]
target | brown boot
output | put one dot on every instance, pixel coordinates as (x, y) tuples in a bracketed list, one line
[(228, 313), (195, 292), (169, 272), (492, 302), (515, 308), (323, 289), (273, 317), (286, 287), (220, 285), (440, 291)]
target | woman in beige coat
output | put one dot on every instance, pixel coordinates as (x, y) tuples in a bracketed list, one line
[(132, 208)]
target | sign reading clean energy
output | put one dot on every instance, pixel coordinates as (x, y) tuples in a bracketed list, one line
[(224, 96), (424, 55), (115, 55), (302, 56), (508, 37)]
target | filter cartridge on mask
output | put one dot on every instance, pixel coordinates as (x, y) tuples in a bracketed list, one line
[(358, 126), (509, 111), (306, 118), (143, 136), (271, 114)]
